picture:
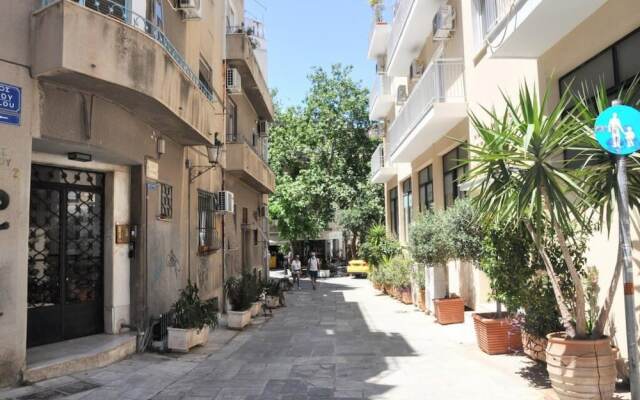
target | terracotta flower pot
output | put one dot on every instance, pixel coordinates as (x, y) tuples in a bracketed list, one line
[(405, 295), (422, 303), (581, 369), (534, 347), (386, 289), (496, 335), (449, 311)]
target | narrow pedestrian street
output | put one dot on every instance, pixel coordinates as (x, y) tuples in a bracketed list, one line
[(342, 341)]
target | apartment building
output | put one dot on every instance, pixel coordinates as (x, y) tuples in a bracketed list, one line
[(430, 75), (117, 177)]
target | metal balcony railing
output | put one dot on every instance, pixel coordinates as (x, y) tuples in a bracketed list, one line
[(401, 10), (381, 86), (441, 82), (261, 148), (490, 14), (377, 159), (378, 18), (125, 15)]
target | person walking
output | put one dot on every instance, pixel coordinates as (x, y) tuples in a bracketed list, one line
[(296, 269), (314, 266)]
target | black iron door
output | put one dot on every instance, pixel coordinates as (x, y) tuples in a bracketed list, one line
[(66, 241)]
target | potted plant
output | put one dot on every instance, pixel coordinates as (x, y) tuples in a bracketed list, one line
[(273, 291), (402, 278), (521, 180), (192, 319), (257, 292), (431, 245), (238, 290), (418, 278)]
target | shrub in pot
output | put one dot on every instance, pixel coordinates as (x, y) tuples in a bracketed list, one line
[(401, 278), (257, 292), (273, 293), (521, 180), (192, 319), (418, 277), (378, 246), (240, 296)]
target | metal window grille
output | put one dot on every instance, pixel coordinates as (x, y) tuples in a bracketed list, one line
[(166, 201), (207, 235)]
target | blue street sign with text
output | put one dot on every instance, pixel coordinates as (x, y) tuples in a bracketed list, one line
[(10, 104), (618, 130)]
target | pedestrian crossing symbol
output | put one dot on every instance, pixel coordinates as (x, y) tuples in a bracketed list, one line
[(618, 130)]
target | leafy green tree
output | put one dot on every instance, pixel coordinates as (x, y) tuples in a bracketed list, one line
[(320, 153), (366, 211), (379, 246)]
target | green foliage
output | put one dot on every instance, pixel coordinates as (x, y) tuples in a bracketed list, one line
[(393, 271), (418, 276), (192, 313), (541, 311), (367, 210), (465, 230), (241, 291), (378, 246), (320, 154), (430, 240), (273, 287)]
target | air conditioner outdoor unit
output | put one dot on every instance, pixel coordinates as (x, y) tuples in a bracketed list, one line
[(443, 23), (225, 202), (190, 9), (401, 96), (234, 84), (416, 70), (263, 128)]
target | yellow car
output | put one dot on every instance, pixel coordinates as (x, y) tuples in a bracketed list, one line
[(358, 268)]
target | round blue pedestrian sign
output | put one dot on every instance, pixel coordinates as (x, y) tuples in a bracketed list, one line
[(618, 130)]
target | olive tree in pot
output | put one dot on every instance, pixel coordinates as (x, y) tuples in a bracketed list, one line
[(240, 296), (430, 244), (400, 270), (522, 180), (418, 278), (192, 319)]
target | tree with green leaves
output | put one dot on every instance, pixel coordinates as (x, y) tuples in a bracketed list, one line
[(320, 153)]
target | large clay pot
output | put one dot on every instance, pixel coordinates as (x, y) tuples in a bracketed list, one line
[(449, 311), (422, 304), (581, 369), (534, 347), (405, 295), (496, 335)]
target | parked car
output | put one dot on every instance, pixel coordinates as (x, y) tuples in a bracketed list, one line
[(358, 268)]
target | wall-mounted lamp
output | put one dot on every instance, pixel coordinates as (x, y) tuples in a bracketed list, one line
[(213, 155), (161, 146)]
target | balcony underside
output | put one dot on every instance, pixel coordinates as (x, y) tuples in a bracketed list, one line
[(244, 163), (432, 127), (383, 175), (380, 107), (378, 40), (91, 52), (240, 55), (520, 35)]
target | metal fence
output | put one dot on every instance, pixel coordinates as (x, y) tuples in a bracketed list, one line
[(381, 87), (490, 14), (136, 21), (377, 159), (442, 81), (261, 148)]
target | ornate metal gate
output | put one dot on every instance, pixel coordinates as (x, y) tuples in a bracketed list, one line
[(66, 232)]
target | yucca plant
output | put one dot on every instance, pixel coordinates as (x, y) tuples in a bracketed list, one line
[(520, 176)]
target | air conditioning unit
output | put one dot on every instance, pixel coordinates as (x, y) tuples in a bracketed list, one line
[(443, 23), (234, 84), (401, 95), (225, 202), (416, 70), (190, 9), (263, 128)]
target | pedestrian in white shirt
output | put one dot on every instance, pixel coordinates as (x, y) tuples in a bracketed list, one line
[(296, 268), (314, 266)]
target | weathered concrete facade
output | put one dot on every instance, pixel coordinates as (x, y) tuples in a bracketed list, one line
[(143, 94)]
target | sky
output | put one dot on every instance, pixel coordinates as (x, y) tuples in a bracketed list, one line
[(302, 34)]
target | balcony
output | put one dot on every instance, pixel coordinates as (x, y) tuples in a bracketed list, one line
[(512, 28), (379, 35), (380, 98), (108, 50), (436, 104), (249, 163), (409, 32), (241, 55), (381, 172)]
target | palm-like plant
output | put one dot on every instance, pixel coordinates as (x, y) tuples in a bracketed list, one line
[(522, 177)]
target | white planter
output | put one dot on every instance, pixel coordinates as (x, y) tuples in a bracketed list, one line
[(272, 301), (324, 273), (238, 319), (256, 307), (182, 340)]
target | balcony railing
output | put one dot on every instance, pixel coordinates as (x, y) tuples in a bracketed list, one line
[(490, 14), (377, 159), (442, 81), (401, 10), (134, 20), (261, 151)]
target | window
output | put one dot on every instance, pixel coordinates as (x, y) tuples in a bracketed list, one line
[(255, 237), (166, 201), (205, 74), (455, 167), (206, 222), (425, 181), (407, 203), (393, 210), (245, 216)]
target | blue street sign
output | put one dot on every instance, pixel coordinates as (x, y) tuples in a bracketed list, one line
[(618, 130), (10, 104)]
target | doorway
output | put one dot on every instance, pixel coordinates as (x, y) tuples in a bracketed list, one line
[(66, 254)]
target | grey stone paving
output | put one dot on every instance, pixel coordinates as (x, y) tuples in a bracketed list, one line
[(343, 341)]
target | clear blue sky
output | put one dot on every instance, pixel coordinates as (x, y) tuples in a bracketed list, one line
[(302, 34)]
